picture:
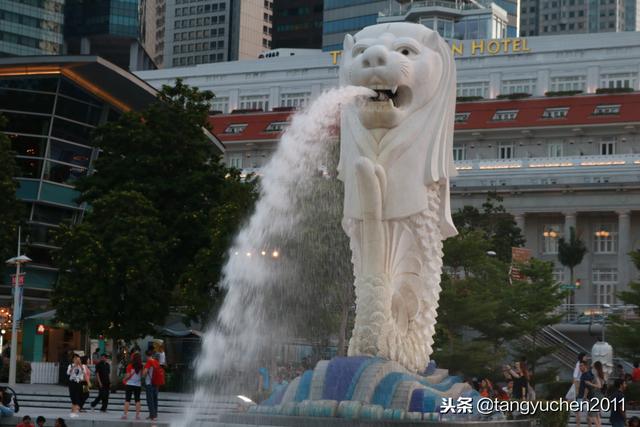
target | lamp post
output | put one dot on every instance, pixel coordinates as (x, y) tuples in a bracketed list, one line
[(17, 303)]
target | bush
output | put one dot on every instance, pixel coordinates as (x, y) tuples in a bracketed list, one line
[(556, 390), (632, 395), (563, 93), (517, 95), (468, 98), (614, 90), (23, 372), (552, 419)]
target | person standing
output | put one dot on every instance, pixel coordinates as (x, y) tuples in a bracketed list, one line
[(150, 369), (86, 384), (635, 373), (133, 384), (103, 372), (618, 416), (76, 377)]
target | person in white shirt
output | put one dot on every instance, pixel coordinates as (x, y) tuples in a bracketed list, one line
[(76, 375)]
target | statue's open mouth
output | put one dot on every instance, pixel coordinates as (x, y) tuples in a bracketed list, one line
[(396, 96)]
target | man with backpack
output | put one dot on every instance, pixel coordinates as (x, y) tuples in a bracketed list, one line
[(153, 378)]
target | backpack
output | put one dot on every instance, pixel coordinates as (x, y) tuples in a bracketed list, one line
[(157, 376)]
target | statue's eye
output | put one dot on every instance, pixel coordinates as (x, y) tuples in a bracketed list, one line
[(406, 50), (357, 50)]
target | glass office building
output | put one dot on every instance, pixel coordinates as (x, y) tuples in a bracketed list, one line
[(52, 105), (31, 27)]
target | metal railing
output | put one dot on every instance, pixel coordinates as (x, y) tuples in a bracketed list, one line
[(403, 9), (595, 313)]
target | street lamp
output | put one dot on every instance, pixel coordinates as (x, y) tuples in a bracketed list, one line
[(17, 306)]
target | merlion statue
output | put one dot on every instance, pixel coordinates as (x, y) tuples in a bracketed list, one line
[(396, 161)]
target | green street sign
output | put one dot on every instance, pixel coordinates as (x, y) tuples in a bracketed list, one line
[(568, 287)]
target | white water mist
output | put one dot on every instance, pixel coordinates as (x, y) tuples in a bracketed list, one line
[(247, 323)]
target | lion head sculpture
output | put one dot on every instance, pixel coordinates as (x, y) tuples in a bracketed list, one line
[(407, 127)]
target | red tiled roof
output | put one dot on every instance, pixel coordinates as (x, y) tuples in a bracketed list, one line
[(530, 111), (256, 125)]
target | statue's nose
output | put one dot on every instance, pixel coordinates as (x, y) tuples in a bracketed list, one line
[(374, 56)]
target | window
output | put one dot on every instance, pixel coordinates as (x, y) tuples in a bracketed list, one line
[(297, 100), (604, 282), (618, 80), (607, 148), (462, 117), (276, 126), (505, 150), (555, 149), (480, 89), (606, 110), (505, 115), (220, 104), (254, 102), (551, 234), (555, 113), (236, 128), (235, 161), (568, 83), (605, 238), (518, 86), (558, 275), (458, 153)]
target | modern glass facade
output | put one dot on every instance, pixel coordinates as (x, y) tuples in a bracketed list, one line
[(342, 17), (50, 121), (31, 27), (92, 17)]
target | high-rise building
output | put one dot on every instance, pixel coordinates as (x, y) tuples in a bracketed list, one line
[(152, 20), (460, 19), (31, 27), (215, 30), (453, 19), (342, 17), (297, 24), (108, 28), (547, 17)]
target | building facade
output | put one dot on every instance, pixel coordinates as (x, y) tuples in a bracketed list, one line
[(558, 161), (108, 28), (31, 28), (540, 17), (297, 24), (215, 31), (52, 104), (452, 19)]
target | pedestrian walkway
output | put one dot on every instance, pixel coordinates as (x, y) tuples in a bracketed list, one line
[(52, 401)]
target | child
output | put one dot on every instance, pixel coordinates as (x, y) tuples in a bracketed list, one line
[(40, 421), (26, 422)]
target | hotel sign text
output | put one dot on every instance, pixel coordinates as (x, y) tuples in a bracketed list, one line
[(474, 48)]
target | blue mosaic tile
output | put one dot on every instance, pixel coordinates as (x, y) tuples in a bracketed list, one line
[(339, 374)]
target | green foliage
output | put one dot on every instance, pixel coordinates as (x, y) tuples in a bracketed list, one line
[(562, 93), (623, 333), (11, 210), (552, 418), (481, 313), (320, 305), (571, 253), (110, 277), (23, 372), (196, 205), (554, 390), (496, 224)]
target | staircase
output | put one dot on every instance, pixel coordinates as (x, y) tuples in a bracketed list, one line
[(567, 350), (55, 398)]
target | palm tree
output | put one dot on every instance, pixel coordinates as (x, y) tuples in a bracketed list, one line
[(571, 253)]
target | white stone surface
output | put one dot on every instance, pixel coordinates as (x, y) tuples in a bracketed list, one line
[(396, 161)]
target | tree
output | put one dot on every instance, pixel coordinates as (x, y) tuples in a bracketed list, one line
[(481, 314), (163, 153), (11, 210), (110, 278), (571, 252), (623, 332), (495, 222)]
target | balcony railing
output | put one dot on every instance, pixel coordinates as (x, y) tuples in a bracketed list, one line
[(585, 314), (403, 9), (557, 163)]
